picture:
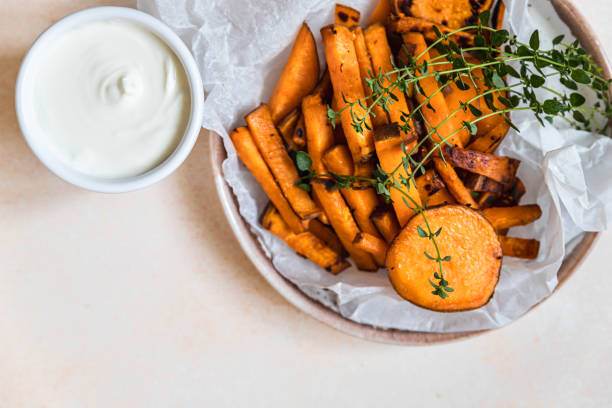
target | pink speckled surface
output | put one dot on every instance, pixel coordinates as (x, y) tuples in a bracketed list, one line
[(146, 300)]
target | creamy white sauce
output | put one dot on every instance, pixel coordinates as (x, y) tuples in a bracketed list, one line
[(112, 99)]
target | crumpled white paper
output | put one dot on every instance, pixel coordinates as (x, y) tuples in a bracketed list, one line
[(241, 46)]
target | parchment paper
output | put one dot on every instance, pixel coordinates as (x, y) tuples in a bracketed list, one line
[(241, 46)]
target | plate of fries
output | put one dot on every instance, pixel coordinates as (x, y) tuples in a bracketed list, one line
[(386, 156)]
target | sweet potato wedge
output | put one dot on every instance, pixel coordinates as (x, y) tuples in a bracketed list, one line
[(453, 96), (497, 168), (271, 146), (250, 156), (428, 184), (318, 131), (487, 199), (487, 124), (299, 134), (380, 53), (362, 201), (343, 223), (338, 131), (450, 13), (479, 183), (346, 16), (346, 80), (509, 196), (273, 222), (304, 243), (322, 217), (518, 191), (327, 235), (473, 270), (505, 200), (365, 169), (488, 143), (386, 223), (287, 128), (299, 77), (508, 217), (375, 246), (456, 98), (381, 12), (403, 24), (338, 160), (437, 112), (388, 142), (440, 197), (454, 184), (379, 116), (498, 15), (311, 247), (520, 247)]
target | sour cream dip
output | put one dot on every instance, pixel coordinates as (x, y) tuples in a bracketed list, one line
[(111, 99)]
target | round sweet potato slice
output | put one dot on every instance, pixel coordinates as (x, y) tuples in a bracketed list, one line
[(473, 270)]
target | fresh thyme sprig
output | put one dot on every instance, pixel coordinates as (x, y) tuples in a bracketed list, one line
[(527, 65)]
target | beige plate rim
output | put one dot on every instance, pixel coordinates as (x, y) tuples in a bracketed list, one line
[(577, 23)]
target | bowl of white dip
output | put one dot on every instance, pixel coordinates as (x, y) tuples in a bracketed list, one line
[(110, 99)]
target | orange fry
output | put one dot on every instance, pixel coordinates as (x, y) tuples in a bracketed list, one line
[(454, 184), (346, 80), (379, 116), (508, 217), (436, 116), (520, 247), (299, 77), (372, 245), (363, 202), (250, 156), (390, 155), (342, 221), (380, 52), (386, 223), (270, 145), (327, 235), (347, 16), (304, 243)]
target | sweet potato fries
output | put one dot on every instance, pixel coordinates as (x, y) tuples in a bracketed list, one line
[(469, 194)]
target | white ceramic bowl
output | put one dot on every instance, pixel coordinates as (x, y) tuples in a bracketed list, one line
[(32, 133)]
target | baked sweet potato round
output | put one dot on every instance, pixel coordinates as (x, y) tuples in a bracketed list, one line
[(472, 272)]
